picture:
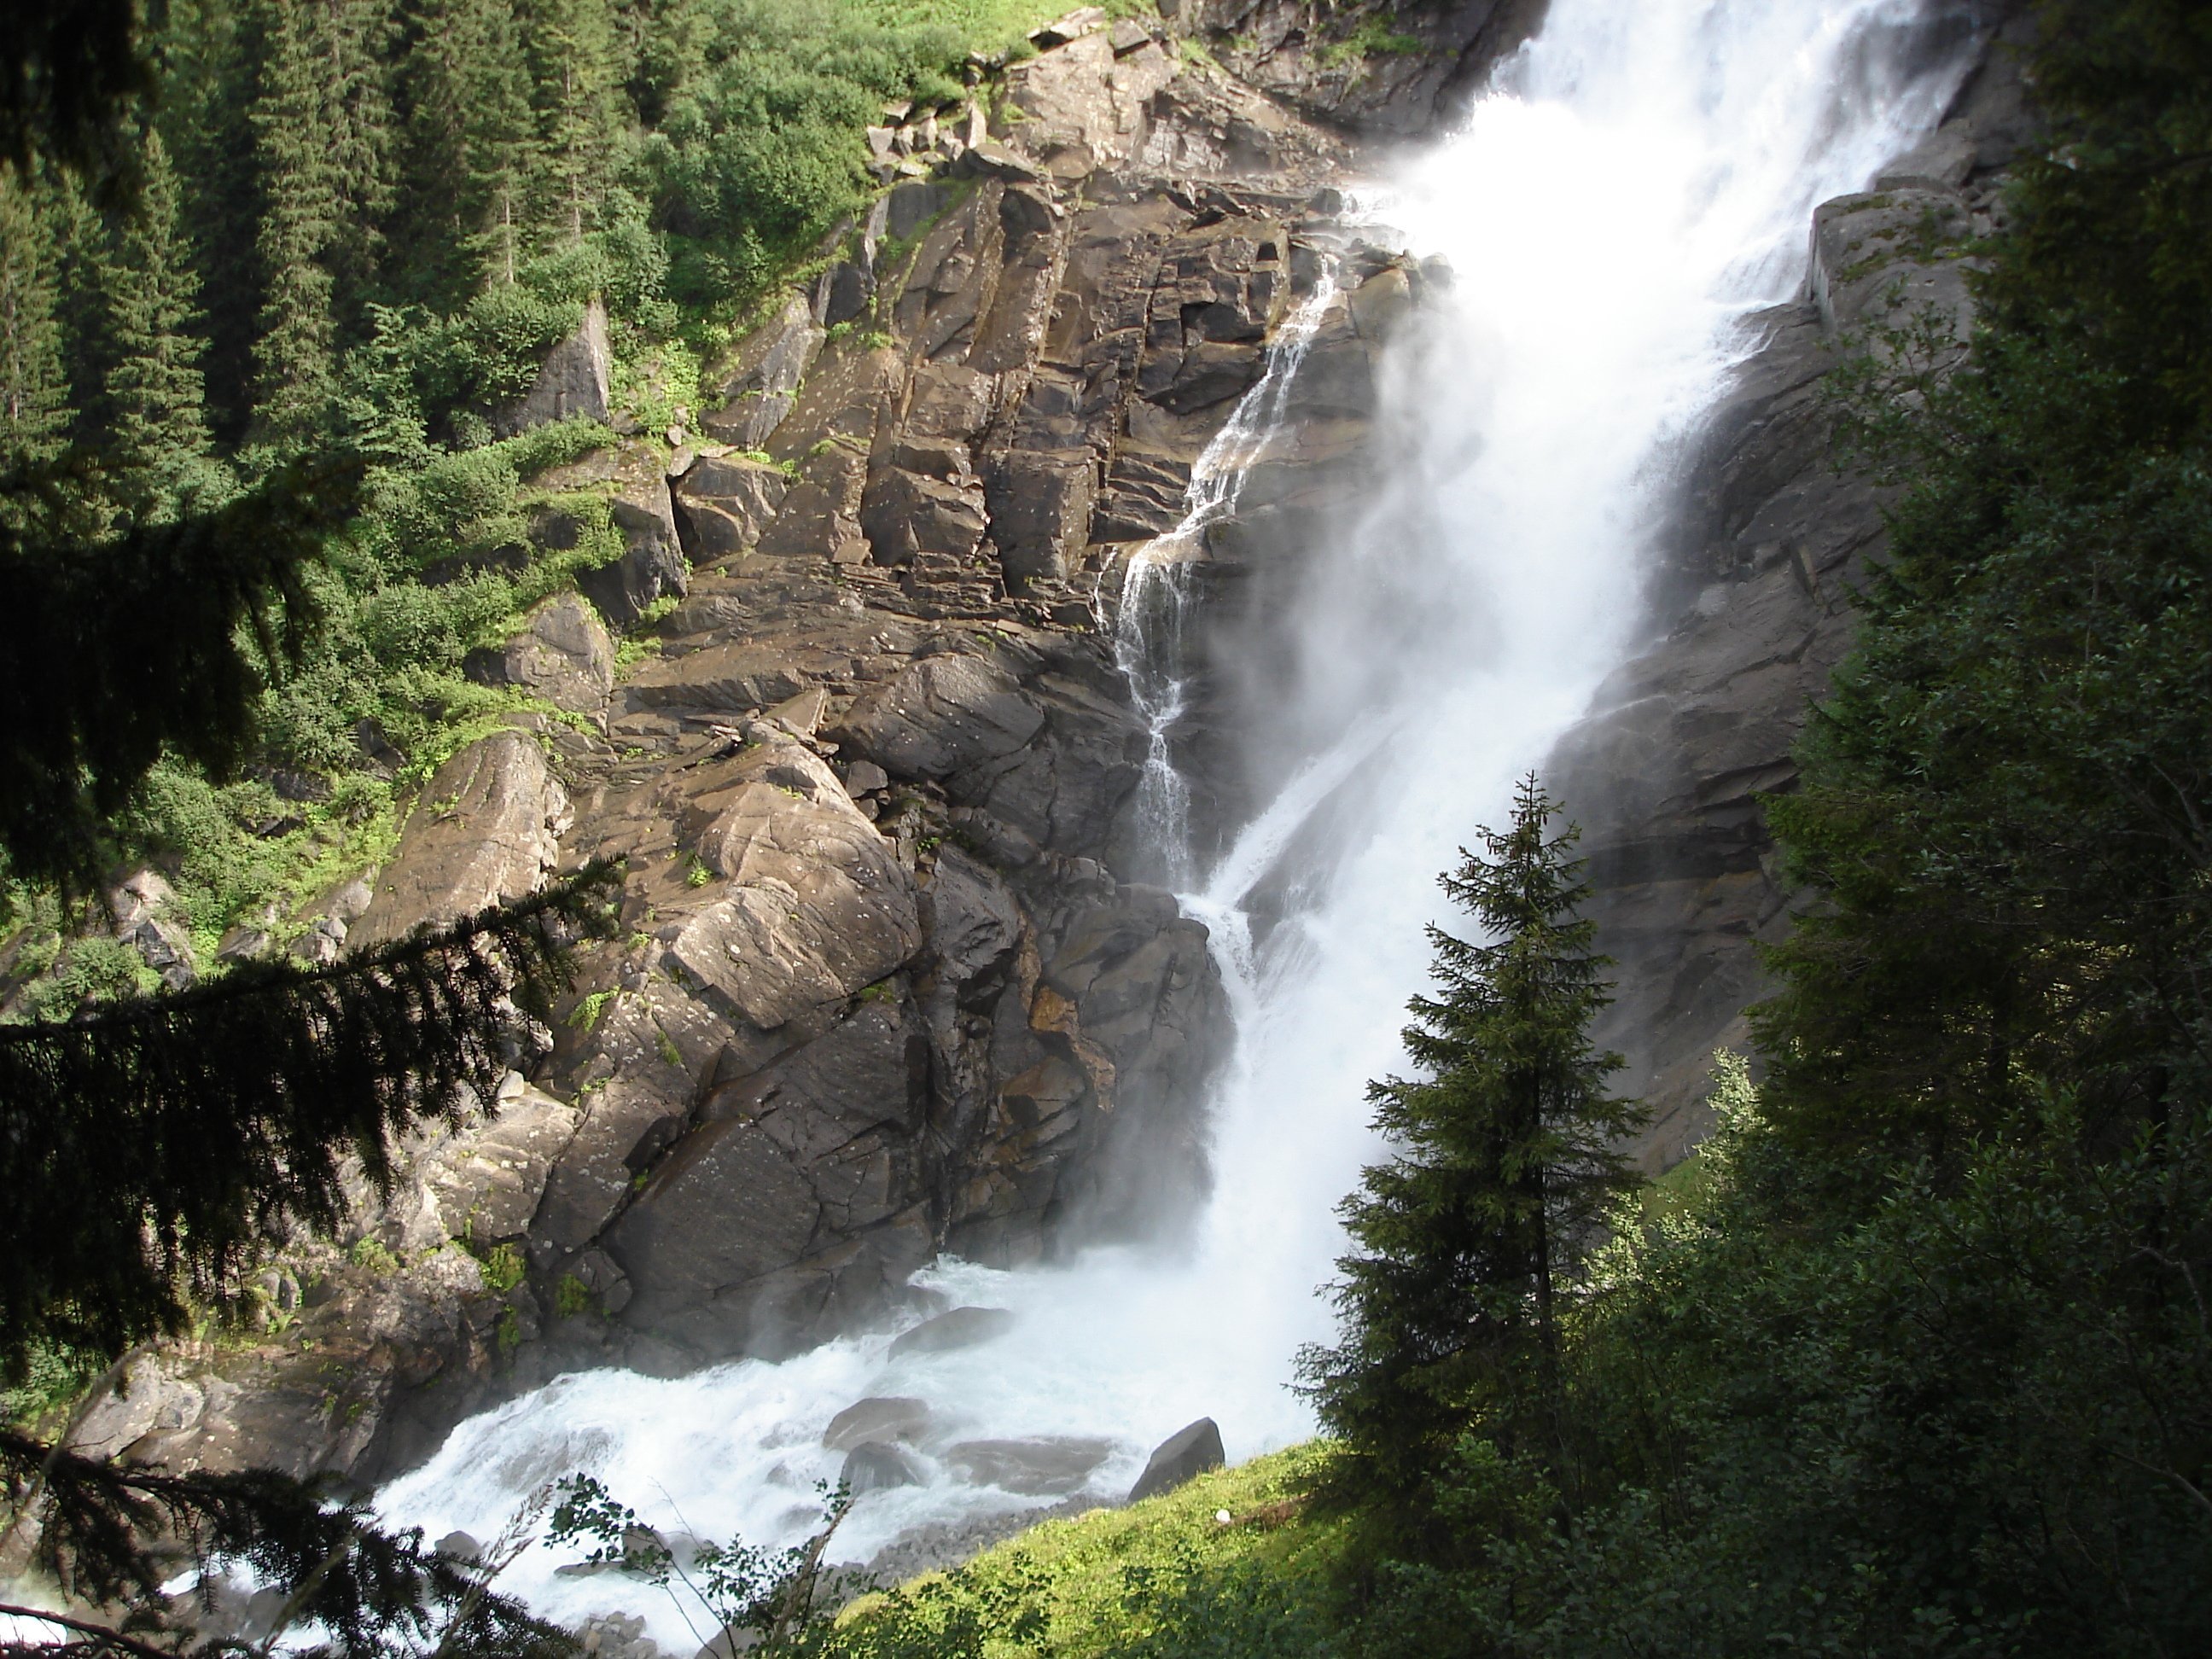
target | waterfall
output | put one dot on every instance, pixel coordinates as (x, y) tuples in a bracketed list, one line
[(1158, 599), (1636, 187)]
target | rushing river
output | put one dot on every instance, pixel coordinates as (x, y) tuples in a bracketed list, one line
[(1639, 180)]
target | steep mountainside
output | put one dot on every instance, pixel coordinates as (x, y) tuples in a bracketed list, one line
[(884, 989), (889, 982)]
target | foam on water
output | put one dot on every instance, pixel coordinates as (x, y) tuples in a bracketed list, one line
[(1639, 183)]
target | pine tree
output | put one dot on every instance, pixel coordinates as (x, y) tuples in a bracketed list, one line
[(575, 60), (473, 154), (1502, 1169), (214, 52), (323, 127), (34, 403), (158, 447)]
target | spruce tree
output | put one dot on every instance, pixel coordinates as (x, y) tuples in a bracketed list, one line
[(473, 154), (158, 447), (1502, 1166), (35, 401), (322, 125), (576, 66)]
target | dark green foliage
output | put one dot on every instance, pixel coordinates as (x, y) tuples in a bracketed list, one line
[(72, 69), (147, 1144), (119, 652), (372, 1593), (1503, 1169), (35, 391), (158, 447)]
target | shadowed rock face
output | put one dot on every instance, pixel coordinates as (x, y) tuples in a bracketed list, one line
[(1666, 774)]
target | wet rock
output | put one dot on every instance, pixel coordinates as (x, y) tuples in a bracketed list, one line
[(1884, 253), (460, 1547), (876, 1466), (881, 1418), (1183, 1456), (1048, 1467), (571, 382), (956, 1327), (484, 830)]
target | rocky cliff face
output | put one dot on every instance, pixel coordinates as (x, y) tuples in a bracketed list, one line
[(1753, 603), (888, 983), (884, 987)]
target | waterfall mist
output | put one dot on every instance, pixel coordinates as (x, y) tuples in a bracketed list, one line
[(1640, 181)]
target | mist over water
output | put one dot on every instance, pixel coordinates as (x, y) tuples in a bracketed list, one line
[(1640, 181)]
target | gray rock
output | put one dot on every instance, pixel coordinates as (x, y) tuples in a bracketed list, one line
[(652, 562), (724, 504), (484, 830), (874, 1466), (956, 1327), (895, 1416), (1183, 1456), (564, 656), (939, 715), (817, 907), (572, 380), (1048, 1467), (763, 383), (460, 1547), (1040, 513)]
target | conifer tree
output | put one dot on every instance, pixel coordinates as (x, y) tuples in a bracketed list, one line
[(1502, 1166), (158, 447), (473, 154), (34, 403), (575, 60), (323, 128)]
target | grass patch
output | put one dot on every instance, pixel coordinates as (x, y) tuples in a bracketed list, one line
[(1118, 1581)]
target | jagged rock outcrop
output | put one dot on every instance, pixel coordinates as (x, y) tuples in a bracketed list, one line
[(883, 986), (1666, 774), (1381, 67)]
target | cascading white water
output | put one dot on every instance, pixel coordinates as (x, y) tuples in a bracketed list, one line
[(1154, 611), (1640, 183)]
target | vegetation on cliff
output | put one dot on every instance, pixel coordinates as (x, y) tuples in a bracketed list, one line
[(343, 233)]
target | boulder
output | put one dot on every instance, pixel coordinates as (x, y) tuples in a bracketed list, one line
[(1184, 1455), (652, 562), (762, 381), (564, 656), (880, 1417), (938, 715), (876, 1466), (957, 1327), (724, 504), (484, 830), (905, 513), (141, 906), (571, 381), (1040, 513), (1047, 1467), (818, 905)]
